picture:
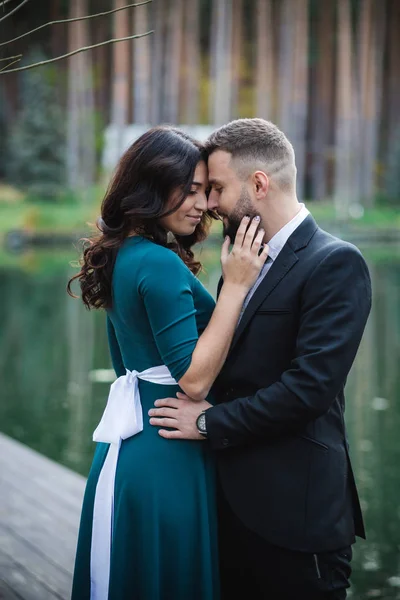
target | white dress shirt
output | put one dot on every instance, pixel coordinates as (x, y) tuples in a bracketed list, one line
[(275, 246)]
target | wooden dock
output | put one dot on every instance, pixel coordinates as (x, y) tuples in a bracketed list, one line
[(40, 503)]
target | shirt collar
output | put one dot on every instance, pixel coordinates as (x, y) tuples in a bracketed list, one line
[(277, 242)]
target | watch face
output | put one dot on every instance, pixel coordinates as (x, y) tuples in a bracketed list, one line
[(201, 423)]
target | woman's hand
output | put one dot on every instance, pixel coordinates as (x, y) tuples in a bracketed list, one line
[(243, 264)]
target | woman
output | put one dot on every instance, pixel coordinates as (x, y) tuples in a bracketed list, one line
[(152, 500)]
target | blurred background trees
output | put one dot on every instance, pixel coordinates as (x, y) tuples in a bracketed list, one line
[(328, 73), (35, 157)]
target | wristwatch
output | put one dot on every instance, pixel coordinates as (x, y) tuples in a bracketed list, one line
[(201, 424)]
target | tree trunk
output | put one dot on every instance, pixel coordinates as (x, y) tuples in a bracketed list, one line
[(237, 49), (264, 75), (286, 65), (321, 104), (221, 99), (73, 170), (371, 40), (173, 62), (393, 88), (57, 47), (141, 67), (120, 82), (158, 57), (101, 70), (300, 90), (192, 63), (81, 159), (344, 128)]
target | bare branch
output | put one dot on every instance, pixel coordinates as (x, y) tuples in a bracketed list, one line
[(11, 57), (14, 10), (4, 2), (50, 23), (11, 63), (83, 49)]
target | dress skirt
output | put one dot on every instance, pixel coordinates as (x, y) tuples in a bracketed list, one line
[(164, 537)]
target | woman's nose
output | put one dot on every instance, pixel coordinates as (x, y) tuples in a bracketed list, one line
[(201, 202)]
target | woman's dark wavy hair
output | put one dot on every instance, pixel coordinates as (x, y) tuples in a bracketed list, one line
[(156, 165)]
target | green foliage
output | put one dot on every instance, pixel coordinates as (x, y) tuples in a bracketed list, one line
[(36, 148)]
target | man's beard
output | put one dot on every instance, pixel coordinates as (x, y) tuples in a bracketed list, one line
[(243, 207)]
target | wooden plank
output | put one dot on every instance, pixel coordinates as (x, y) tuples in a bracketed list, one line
[(39, 567), (23, 584), (16, 455), (40, 505), (36, 498), (6, 592), (39, 527)]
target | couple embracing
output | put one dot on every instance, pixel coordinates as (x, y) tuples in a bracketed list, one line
[(222, 466)]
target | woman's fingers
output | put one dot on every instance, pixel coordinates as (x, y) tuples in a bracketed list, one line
[(264, 254), (225, 249), (249, 236), (241, 232), (258, 240)]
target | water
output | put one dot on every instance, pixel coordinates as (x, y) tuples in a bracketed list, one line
[(49, 346)]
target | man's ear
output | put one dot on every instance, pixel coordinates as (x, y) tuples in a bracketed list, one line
[(260, 184)]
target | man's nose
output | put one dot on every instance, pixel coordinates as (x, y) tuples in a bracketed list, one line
[(212, 203)]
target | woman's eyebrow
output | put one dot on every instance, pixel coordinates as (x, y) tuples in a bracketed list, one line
[(197, 183)]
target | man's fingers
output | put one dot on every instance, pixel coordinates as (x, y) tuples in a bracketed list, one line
[(171, 435), (163, 422), (172, 402), (164, 411)]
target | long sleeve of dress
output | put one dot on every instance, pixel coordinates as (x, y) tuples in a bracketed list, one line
[(165, 285)]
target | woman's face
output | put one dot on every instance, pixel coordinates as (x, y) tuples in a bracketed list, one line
[(186, 218)]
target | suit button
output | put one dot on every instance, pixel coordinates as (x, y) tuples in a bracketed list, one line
[(225, 442)]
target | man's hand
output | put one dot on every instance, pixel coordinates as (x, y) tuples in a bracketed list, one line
[(179, 413)]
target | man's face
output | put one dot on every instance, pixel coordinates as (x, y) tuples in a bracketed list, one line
[(229, 195)]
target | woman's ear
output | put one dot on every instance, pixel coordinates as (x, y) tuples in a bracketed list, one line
[(260, 184)]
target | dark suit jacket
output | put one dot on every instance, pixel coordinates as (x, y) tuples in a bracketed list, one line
[(278, 426)]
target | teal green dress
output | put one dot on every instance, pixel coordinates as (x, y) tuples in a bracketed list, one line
[(164, 542)]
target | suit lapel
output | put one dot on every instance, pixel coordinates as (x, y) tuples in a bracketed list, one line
[(280, 267), (284, 262)]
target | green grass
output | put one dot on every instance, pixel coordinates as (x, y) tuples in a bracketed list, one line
[(380, 217), (78, 217)]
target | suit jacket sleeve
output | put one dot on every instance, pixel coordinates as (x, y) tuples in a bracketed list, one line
[(335, 304)]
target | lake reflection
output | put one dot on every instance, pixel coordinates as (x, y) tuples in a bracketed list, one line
[(49, 344)]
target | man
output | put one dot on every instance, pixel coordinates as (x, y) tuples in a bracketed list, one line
[(289, 509)]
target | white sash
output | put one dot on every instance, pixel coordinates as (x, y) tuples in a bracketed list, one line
[(122, 418)]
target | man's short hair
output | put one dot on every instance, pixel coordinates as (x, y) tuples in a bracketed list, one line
[(256, 144)]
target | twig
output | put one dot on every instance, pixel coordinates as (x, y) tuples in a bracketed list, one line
[(11, 57), (11, 63), (102, 14), (83, 49), (14, 10), (4, 2)]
